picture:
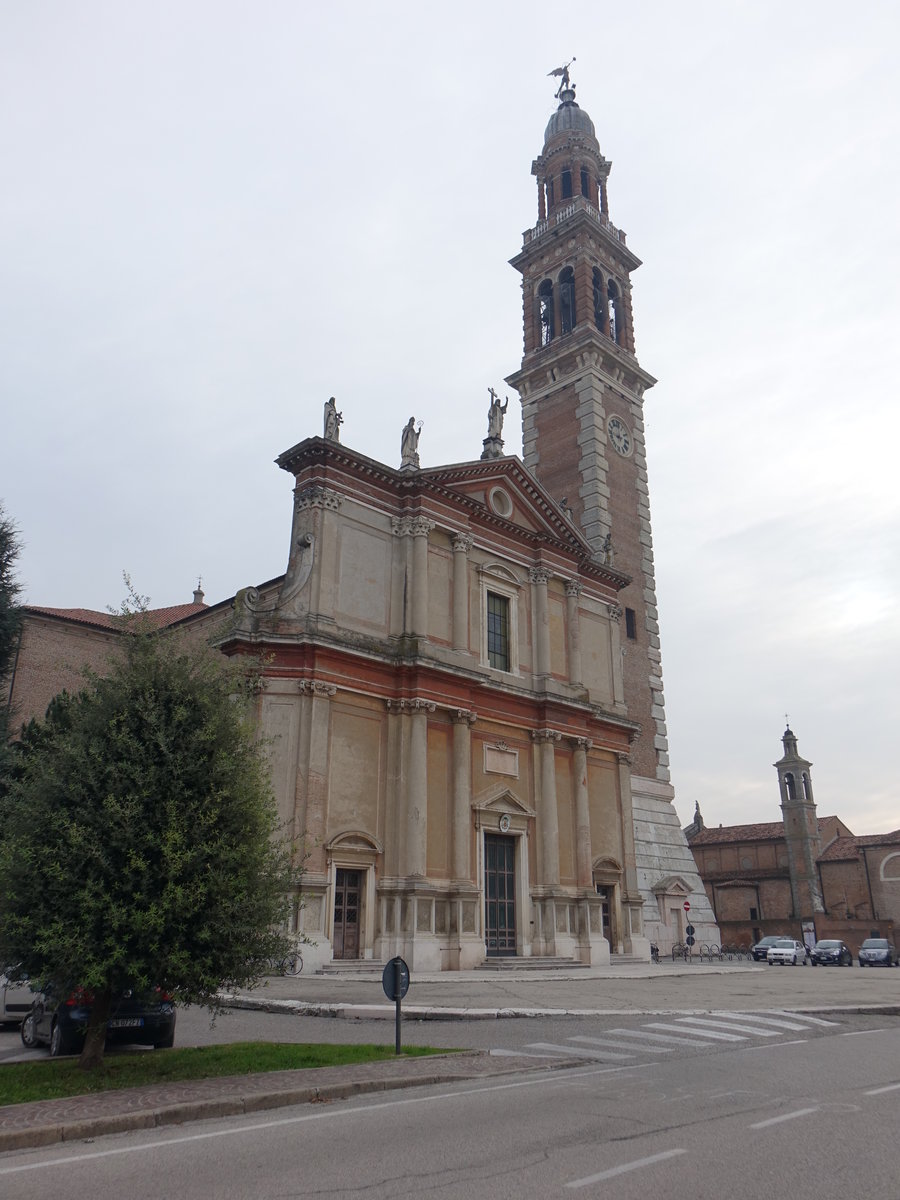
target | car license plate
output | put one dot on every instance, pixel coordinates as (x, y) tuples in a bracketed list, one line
[(126, 1022)]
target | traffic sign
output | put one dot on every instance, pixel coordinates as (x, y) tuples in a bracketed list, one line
[(690, 939), (690, 931), (687, 906)]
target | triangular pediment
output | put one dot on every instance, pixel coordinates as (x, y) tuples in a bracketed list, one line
[(501, 799), (507, 491), (671, 885)]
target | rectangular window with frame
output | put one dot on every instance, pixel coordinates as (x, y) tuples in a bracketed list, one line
[(498, 631)]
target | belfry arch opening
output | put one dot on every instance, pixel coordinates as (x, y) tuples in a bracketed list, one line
[(566, 300), (546, 322)]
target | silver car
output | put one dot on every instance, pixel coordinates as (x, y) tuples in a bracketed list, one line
[(16, 996), (787, 951)]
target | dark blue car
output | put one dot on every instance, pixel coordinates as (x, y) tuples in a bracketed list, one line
[(140, 1018)]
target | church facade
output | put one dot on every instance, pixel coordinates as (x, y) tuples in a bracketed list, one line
[(462, 700)]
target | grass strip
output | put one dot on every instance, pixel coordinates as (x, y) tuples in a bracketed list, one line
[(50, 1079)]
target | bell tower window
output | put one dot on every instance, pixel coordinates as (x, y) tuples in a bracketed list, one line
[(599, 300), (566, 184), (567, 300), (585, 183), (545, 312), (614, 305), (790, 786)]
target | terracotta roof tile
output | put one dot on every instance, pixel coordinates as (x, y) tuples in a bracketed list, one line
[(105, 620), (841, 849), (763, 831)]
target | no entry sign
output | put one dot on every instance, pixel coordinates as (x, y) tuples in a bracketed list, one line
[(687, 906)]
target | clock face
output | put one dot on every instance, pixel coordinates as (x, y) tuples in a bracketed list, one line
[(619, 435)]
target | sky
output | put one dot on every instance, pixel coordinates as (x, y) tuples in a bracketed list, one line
[(214, 215)]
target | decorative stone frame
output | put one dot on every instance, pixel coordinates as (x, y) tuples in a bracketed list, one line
[(502, 582), (353, 850), (499, 810)]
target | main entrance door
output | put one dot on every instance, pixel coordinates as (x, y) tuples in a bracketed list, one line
[(347, 895), (499, 895)]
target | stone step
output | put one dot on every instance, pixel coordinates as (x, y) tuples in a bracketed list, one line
[(352, 966), (530, 964)]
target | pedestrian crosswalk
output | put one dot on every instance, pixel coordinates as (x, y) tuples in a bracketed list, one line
[(659, 1037)]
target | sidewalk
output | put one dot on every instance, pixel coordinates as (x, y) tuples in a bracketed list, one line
[(24, 1126), (466, 995)]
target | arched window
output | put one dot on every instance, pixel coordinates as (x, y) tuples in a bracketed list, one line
[(585, 183), (599, 300), (807, 790), (566, 184), (790, 786), (550, 196), (567, 300), (614, 308), (545, 312)]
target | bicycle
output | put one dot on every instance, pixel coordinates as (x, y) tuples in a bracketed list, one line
[(291, 964)]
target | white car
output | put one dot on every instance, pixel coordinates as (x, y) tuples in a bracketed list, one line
[(787, 950), (16, 996)]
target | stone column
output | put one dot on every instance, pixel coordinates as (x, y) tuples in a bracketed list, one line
[(573, 631), (415, 849), (547, 814), (420, 529), (539, 577), (313, 816), (583, 854), (616, 653), (462, 544), (460, 821)]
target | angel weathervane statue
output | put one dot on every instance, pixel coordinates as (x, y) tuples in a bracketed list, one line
[(563, 74)]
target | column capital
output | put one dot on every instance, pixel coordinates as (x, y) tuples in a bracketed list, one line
[(463, 716), (420, 526), (615, 612), (462, 542), (315, 687), (544, 736), (623, 759), (410, 706), (317, 496), (573, 587), (539, 575), (580, 743)]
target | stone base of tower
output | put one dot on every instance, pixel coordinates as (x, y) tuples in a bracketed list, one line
[(666, 871)]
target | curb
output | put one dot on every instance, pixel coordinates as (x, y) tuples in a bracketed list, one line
[(413, 1012), (183, 1111)]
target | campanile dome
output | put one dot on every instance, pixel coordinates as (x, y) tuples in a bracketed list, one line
[(568, 118)]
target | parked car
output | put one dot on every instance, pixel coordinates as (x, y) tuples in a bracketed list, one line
[(16, 996), (142, 1018), (878, 952), (761, 948), (829, 952), (787, 950)]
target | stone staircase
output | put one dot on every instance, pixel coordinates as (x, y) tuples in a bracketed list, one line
[(531, 964), (353, 966)]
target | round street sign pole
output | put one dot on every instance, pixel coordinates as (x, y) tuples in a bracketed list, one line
[(395, 981)]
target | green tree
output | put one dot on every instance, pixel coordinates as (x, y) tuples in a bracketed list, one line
[(10, 618), (140, 841)]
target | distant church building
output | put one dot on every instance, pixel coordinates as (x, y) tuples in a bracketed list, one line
[(463, 692), (804, 875)]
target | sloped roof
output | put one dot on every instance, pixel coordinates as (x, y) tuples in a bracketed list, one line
[(764, 831), (160, 617), (840, 850)]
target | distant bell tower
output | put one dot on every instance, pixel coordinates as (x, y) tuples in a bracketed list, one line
[(582, 389), (801, 828)]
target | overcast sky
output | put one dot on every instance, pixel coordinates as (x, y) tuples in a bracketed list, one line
[(216, 214)]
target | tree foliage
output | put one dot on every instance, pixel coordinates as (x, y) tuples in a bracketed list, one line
[(10, 619), (140, 845)]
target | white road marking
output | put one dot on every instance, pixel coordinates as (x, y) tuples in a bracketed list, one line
[(625, 1168), (621, 1045), (499, 1052), (857, 1032), (709, 1033), (778, 1045), (763, 1020), (659, 1037), (707, 1024), (331, 1115), (792, 1116), (778, 1012), (891, 1087), (572, 1050)]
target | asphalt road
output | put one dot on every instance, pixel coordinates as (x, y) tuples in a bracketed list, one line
[(798, 1114)]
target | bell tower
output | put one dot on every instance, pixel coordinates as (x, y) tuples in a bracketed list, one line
[(801, 827), (582, 390)]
